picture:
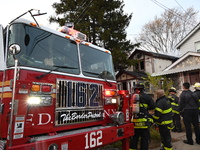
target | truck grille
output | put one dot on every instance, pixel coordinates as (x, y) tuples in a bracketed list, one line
[(78, 102)]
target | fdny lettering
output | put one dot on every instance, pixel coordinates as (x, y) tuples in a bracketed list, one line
[(44, 118), (80, 94), (44, 121), (108, 112)]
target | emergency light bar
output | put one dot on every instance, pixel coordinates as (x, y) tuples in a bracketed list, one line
[(72, 32), (69, 24)]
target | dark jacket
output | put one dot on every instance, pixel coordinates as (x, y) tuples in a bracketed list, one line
[(174, 103), (188, 100), (197, 94), (143, 118), (146, 101), (163, 112)]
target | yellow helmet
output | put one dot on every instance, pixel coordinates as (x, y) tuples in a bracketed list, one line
[(172, 89), (197, 85)]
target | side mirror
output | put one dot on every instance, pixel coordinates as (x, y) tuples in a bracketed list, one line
[(14, 49)]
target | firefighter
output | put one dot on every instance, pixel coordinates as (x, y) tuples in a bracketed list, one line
[(189, 110), (175, 110), (197, 92), (141, 117), (163, 118)]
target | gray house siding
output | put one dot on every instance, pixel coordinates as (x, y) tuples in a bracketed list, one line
[(189, 44)]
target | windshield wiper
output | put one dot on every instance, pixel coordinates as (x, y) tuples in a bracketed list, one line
[(57, 67), (64, 67), (99, 75)]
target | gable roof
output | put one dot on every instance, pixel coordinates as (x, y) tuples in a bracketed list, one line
[(170, 70), (188, 36), (156, 55), (189, 53)]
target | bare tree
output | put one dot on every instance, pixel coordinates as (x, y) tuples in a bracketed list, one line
[(164, 32)]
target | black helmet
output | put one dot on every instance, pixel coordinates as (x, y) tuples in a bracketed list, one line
[(139, 85)]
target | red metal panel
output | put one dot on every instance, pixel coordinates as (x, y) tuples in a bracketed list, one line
[(36, 123), (84, 140)]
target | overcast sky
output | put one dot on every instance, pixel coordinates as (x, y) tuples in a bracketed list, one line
[(143, 10)]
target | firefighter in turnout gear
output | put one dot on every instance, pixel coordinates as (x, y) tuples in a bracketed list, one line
[(141, 103), (163, 118), (197, 92), (175, 110)]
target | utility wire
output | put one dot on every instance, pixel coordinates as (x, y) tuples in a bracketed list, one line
[(84, 10), (180, 5), (160, 5), (79, 7), (168, 9)]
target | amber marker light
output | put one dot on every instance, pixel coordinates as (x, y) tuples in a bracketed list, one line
[(33, 24), (107, 51), (77, 40), (68, 37), (35, 88), (110, 93), (87, 44)]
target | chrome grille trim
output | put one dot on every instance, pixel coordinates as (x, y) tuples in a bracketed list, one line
[(78, 102)]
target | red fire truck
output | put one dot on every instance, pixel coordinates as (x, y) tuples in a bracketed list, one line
[(57, 91)]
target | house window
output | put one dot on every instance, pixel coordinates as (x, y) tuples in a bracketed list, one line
[(142, 65), (124, 87), (133, 83), (139, 66), (197, 46)]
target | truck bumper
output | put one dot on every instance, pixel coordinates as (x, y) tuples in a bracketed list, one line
[(81, 139)]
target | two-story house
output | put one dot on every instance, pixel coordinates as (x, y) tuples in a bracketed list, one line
[(187, 67), (147, 62)]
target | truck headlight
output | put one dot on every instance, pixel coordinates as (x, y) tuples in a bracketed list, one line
[(118, 117), (110, 100), (40, 100)]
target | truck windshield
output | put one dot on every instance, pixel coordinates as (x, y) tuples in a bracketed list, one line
[(42, 49), (96, 63), (46, 50)]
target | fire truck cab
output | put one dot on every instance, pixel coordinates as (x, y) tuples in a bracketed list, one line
[(57, 91)]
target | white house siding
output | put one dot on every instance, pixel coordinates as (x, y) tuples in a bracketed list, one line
[(161, 64), (149, 64), (189, 44)]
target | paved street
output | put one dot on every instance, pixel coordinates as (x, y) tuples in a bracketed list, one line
[(179, 145)]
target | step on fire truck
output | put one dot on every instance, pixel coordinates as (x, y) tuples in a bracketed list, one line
[(57, 91)]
